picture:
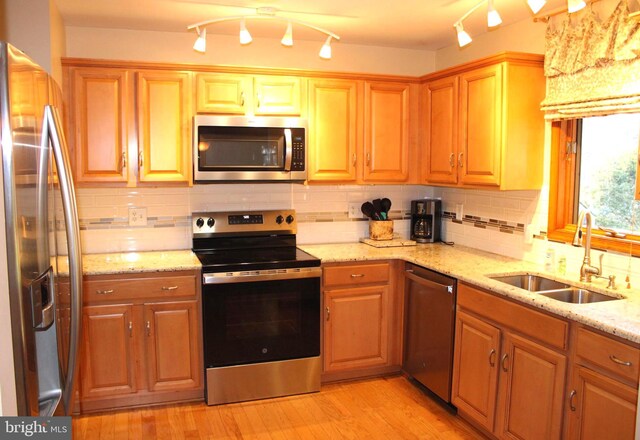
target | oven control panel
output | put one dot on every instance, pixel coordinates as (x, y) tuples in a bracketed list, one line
[(213, 223)]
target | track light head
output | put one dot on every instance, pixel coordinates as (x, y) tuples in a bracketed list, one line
[(245, 36), (287, 39), (536, 5), (201, 42), (575, 5), (463, 37), (493, 17), (325, 51)]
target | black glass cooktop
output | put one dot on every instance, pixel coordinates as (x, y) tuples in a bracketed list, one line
[(234, 260)]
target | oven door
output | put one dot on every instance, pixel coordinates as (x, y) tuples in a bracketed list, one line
[(256, 319)]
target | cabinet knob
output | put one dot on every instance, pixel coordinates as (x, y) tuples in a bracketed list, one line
[(148, 328), (328, 311), (452, 160), (355, 157), (123, 161), (130, 329), (140, 159), (460, 161), (492, 358), (242, 98), (368, 158)]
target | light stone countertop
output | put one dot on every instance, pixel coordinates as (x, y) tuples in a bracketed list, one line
[(134, 262), (620, 317)]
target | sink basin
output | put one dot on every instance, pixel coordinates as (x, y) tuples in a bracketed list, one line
[(577, 296), (532, 283)]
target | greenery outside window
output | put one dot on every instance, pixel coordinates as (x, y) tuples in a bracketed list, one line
[(594, 165)]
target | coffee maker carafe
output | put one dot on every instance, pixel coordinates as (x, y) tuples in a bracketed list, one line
[(425, 220)]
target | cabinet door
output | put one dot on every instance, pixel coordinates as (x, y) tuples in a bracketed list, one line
[(441, 131), (531, 389), (334, 107), (277, 95), (386, 132), (480, 134), (164, 118), (475, 369), (173, 349), (602, 408), (100, 109), (222, 94), (356, 328), (108, 366)]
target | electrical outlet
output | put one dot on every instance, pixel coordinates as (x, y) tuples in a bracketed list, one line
[(137, 216), (459, 211), (354, 210)]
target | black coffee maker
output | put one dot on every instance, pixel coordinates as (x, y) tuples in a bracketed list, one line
[(425, 220)]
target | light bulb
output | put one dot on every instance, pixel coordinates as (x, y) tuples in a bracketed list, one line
[(536, 5), (201, 42), (245, 36), (325, 51), (493, 17), (287, 39), (463, 37), (575, 5)]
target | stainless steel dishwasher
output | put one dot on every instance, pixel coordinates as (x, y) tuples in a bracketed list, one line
[(429, 332)]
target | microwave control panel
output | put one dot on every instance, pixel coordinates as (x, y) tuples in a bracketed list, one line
[(297, 161)]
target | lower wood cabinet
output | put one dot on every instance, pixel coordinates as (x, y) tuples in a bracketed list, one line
[(362, 323), (141, 341), (509, 366)]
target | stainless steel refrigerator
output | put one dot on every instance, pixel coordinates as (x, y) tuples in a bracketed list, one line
[(42, 237)]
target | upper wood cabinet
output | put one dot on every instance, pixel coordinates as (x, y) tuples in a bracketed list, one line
[(260, 95), (334, 129), (386, 132), (359, 131), (483, 125), (100, 108), (164, 120), (129, 127)]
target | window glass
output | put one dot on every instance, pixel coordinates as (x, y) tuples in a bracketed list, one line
[(607, 172)]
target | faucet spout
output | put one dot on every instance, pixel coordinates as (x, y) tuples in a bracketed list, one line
[(586, 270)]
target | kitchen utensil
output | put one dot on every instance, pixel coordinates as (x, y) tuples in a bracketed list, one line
[(385, 206), (369, 210), (378, 207)]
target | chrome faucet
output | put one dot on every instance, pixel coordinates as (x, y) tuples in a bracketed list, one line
[(586, 270)]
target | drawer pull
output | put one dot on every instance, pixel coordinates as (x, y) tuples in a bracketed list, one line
[(571, 396), (328, 312), (503, 362), (104, 292), (620, 362), (169, 287), (130, 329), (148, 327), (357, 275), (492, 358)]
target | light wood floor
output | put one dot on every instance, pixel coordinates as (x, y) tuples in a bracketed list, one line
[(382, 408)]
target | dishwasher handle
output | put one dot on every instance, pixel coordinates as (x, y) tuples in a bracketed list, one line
[(427, 282)]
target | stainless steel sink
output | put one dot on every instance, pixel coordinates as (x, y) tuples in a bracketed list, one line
[(532, 283), (577, 296), (553, 289)]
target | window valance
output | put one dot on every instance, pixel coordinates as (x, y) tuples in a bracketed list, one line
[(593, 67)]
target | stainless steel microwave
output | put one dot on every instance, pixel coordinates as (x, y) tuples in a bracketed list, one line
[(259, 149)]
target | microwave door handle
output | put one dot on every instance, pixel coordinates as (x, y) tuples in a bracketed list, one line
[(288, 145)]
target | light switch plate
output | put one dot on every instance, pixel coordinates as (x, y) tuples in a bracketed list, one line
[(137, 216), (459, 211)]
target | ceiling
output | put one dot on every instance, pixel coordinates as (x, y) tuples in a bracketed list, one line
[(411, 24)]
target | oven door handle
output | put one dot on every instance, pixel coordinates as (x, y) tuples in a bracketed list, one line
[(267, 275)]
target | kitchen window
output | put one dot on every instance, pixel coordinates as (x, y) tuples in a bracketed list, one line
[(594, 164)]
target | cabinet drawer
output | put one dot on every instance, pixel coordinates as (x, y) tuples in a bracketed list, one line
[(352, 274), (537, 325), (169, 287), (608, 353)]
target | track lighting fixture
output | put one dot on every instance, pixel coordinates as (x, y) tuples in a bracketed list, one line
[(261, 13), (201, 42), (287, 39), (494, 19)]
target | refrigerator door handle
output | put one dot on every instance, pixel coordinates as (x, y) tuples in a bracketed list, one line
[(52, 128)]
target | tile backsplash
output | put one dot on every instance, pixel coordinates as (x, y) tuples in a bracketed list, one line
[(511, 223)]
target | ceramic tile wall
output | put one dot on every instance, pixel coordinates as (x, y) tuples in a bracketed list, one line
[(322, 211)]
